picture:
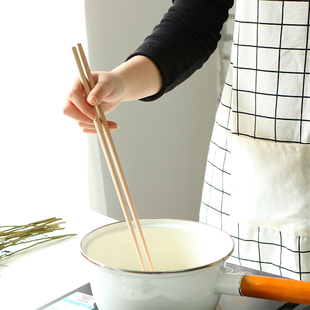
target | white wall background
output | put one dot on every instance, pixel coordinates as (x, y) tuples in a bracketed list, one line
[(42, 153), (162, 145)]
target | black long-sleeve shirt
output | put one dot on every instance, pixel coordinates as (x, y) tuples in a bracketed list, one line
[(184, 39)]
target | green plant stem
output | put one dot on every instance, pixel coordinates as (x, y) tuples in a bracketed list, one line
[(38, 243), (36, 233)]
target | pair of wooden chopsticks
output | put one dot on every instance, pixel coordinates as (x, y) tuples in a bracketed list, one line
[(112, 157)]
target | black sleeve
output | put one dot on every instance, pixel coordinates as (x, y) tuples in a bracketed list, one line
[(184, 39)]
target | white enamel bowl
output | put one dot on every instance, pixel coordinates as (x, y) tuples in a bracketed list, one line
[(189, 262)]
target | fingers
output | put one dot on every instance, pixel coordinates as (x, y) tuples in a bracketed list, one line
[(73, 112), (82, 110), (90, 128), (103, 88), (76, 97), (112, 125), (87, 130), (108, 91), (84, 122)]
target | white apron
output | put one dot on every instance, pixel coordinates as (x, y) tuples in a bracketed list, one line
[(257, 182)]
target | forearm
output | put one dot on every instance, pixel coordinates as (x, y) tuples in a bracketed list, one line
[(141, 78), (184, 39)]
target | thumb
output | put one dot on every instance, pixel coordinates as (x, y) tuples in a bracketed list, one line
[(101, 90), (93, 99), (95, 96)]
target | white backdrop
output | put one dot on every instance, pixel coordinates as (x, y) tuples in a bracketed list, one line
[(43, 154)]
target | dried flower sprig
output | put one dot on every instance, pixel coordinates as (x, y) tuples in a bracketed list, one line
[(18, 238)]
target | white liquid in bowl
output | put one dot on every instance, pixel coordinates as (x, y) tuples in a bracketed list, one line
[(172, 246)]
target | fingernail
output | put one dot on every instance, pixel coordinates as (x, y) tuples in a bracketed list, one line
[(93, 100), (114, 128)]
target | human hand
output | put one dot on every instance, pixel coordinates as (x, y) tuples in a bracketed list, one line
[(134, 79), (108, 92)]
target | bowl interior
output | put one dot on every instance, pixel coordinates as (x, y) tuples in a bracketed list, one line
[(174, 245)]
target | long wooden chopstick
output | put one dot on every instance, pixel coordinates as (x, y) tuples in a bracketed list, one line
[(112, 158)]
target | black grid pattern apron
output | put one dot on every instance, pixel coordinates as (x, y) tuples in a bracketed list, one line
[(264, 113)]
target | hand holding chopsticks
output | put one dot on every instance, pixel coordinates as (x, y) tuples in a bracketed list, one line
[(112, 158)]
